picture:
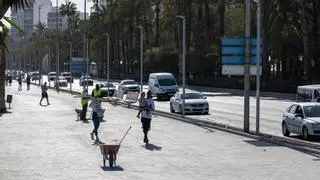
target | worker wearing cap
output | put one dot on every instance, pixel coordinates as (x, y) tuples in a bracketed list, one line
[(84, 102)]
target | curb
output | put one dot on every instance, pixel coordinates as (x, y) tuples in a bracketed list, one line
[(285, 141)]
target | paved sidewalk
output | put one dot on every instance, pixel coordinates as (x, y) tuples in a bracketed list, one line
[(48, 143)]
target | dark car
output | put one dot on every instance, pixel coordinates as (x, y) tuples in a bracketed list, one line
[(68, 76), (84, 80), (104, 89)]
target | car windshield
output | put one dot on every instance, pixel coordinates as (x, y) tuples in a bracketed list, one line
[(167, 82), (129, 82), (312, 111), (66, 74), (61, 78), (106, 85), (192, 96)]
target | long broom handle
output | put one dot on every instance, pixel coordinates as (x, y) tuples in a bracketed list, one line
[(125, 135)]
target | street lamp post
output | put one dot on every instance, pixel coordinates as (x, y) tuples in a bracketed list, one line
[(246, 122), (58, 50), (258, 67), (70, 51), (183, 62), (141, 57), (108, 61)]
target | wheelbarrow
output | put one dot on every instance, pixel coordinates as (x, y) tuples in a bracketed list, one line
[(109, 151)]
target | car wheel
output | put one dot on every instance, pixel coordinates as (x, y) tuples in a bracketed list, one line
[(285, 130), (180, 109), (171, 109), (305, 134)]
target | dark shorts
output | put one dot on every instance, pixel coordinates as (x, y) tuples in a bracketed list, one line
[(145, 124), (44, 95)]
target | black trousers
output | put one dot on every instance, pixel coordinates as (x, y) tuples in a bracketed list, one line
[(145, 125), (84, 112)]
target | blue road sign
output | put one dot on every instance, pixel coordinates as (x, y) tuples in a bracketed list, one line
[(233, 50)]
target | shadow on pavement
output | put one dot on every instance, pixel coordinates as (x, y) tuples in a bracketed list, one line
[(115, 168), (263, 143), (8, 112), (311, 139), (152, 147), (259, 143)]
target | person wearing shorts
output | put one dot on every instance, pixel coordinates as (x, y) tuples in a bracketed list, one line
[(44, 93), (146, 116)]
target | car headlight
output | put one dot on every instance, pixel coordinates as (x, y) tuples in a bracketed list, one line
[(161, 90), (316, 126)]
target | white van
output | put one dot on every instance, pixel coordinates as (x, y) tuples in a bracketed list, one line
[(162, 85), (308, 93)]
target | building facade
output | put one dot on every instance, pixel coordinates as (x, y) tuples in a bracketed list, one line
[(27, 18), (52, 20)]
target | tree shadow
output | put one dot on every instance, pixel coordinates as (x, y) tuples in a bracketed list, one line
[(115, 168), (152, 147)]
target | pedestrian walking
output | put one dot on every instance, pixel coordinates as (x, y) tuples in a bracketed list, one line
[(96, 92), (28, 82), (44, 93), (20, 83), (10, 80), (96, 117), (146, 116), (84, 102), (141, 103), (7, 79)]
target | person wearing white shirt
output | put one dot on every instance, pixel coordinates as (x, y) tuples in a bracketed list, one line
[(146, 115)]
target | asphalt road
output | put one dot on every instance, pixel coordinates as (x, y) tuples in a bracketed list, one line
[(228, 108)]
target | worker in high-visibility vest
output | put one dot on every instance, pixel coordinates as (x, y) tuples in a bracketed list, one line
[(96, 92), (84, 102)]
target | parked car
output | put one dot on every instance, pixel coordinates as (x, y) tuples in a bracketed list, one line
[(195, 102), (162, 85), (62, 81), (129, 85), (104, 89), (35, 76), (308, 93), (52, 76), (68, 76), (84, 80), (302, 119)]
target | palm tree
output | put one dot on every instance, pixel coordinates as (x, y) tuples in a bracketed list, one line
[(68, 9), (4, 6)]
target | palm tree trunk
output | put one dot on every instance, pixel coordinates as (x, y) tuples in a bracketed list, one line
[(157, 10), (3, 108)]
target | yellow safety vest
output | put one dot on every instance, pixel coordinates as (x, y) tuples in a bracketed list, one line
[(84, 99), (96, 93)]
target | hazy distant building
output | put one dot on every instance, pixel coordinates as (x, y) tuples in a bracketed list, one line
[(52, 20), (27, 18)]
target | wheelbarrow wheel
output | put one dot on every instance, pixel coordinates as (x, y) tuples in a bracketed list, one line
[(111, 160), (104, 160)]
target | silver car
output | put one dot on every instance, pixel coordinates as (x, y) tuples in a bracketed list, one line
[(62, 81), (129, 85), (195, 102), (302, 119)]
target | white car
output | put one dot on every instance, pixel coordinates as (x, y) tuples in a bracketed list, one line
[(52, 76), (195, 102), (302, 119), (129, 85), (62, 81)]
